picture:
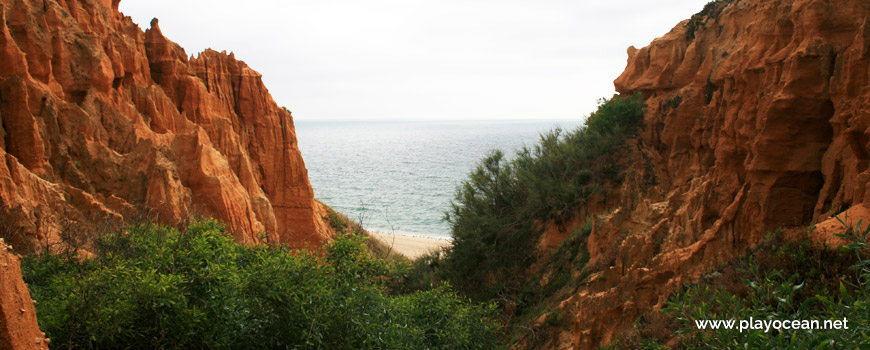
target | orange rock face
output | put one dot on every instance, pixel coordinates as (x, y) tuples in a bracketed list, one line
[(18, 327), (758, 118), (102, 123)]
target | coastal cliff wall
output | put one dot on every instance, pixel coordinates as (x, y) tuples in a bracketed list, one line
[(18, 327), (102, 122), (757, 118)]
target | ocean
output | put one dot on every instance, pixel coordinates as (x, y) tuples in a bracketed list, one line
[(400, 176)]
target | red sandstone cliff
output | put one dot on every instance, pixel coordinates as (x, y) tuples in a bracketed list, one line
[(18, 327), (102, 122), (758, 118)]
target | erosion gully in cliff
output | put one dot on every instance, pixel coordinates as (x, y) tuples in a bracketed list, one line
[(102, 123), (758, 118)]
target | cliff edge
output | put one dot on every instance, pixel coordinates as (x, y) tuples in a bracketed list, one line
[(103, 123), (757, 119)]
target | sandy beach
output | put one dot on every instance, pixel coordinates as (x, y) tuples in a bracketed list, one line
[(411, 246)]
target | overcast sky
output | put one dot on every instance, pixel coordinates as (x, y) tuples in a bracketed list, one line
[(416, 59)]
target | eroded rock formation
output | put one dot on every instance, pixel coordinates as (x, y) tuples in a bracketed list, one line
[(18, 327), (758, 118), (102, 122)]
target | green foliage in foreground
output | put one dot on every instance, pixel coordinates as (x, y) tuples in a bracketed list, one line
[(155, 287), (497, 212), (785, 295), (781, 281)]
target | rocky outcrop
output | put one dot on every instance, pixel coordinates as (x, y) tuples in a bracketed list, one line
[(103, 123), (758, 118), (18, 327)]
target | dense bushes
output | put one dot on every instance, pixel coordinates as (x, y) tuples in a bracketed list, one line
[(781, 280), (814, 287), (156, 287), (496, 214)]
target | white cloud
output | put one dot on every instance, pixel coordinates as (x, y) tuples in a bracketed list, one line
[(415, 59)]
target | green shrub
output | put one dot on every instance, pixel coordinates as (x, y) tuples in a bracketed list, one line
[(337, 222), (496, 214), (156, 287), (811, 286), (711, 10), (344, 225), (422, 274)]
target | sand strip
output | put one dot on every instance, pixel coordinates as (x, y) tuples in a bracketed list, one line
[(411, 246)]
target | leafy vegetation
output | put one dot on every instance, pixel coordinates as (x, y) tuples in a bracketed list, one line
[(571, 255), (785, 295), (782, 281), (557, 278), (423, 274), (156, 287), (497, 213), (337, 222), (711, 10), (342, 224)]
